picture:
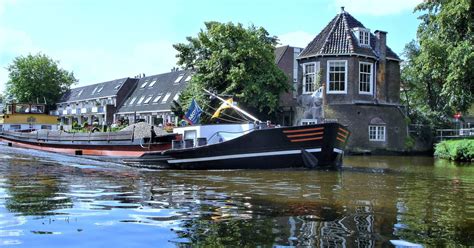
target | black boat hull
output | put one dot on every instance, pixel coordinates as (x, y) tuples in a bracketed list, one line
[(320, 145)]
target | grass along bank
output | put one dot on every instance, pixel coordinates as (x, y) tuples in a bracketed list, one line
[(458, 150)]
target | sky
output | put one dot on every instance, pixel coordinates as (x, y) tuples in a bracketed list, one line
[(110, 39)]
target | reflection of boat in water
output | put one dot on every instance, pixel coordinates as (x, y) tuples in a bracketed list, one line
[(252, 146)]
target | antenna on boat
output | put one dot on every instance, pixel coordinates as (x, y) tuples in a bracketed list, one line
[(232, 106)]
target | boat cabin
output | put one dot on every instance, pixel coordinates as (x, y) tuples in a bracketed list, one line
[(25, 116), (210, 134)]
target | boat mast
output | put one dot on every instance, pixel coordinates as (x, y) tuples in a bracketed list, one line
[(232, 106)]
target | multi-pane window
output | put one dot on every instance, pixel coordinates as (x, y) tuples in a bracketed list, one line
[(310, 71), (337, 78), (365, 78), (377, 133), (364, 37)]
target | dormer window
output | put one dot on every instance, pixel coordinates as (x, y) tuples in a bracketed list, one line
[(363, 35)]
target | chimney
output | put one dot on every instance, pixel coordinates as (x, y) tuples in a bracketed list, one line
[(381, 43), (381, 86), (342, 9)]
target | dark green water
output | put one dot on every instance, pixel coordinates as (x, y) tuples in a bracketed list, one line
[(51, 200)]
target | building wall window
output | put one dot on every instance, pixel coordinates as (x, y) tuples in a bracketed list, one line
[(337, 77), (377, 133), (363, 35), (365, 78), (310, 71)]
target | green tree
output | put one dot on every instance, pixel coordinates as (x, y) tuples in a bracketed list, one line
[(37, 77), (233, 60), (438, 74)]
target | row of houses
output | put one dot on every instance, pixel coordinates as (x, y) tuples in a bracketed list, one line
[(347, 73)]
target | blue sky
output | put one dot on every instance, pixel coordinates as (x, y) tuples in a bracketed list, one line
[(108, 39)]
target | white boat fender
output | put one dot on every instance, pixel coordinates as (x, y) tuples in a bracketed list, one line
[(403, 244)]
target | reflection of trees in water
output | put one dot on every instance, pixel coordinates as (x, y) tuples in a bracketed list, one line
[(436, 210), (31, 190)]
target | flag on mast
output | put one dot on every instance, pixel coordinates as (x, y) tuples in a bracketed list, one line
[(193, 114), (225, 105)]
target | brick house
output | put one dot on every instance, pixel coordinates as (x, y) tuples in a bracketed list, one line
[(350, 75), (286, 60)]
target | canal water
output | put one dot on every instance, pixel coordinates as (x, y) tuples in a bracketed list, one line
[(52, 200)]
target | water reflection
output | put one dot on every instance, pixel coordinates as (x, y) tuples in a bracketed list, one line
[(375, 199)]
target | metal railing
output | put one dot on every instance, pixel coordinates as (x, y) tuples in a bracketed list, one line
[(445, 134)]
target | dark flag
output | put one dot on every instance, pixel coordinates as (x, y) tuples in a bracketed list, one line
[(193, 114)]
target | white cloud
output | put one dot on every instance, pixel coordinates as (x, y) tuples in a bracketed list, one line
[(296, 39), (377, 7)]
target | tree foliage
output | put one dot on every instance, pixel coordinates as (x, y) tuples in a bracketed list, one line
[(36, 78), (233, 60), (438, 74)]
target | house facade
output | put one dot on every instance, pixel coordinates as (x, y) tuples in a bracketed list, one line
[(94, 103), (348, 74), (286, 60), (152, 99)]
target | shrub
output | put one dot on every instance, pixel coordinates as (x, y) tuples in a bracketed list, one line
[(459, 150)]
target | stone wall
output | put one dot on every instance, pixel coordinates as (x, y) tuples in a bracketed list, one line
[(358, 117)]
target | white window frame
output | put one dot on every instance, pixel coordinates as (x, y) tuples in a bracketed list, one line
[(380, 132), (148, 99), (371, 81), (165, 99), (328, 91), (314, 74), (360, 33), (152, 83), (157, 98), (141, 100)]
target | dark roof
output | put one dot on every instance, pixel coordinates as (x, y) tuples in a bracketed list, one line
[(337, 38), (105, 89), (171, 83), (279, 52)]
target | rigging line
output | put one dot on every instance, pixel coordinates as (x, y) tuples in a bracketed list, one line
[(235, 118), (231, 121)]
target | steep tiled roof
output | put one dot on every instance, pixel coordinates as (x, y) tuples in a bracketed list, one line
[(105, 89), (150, 93), (279, 52), (338, 38)]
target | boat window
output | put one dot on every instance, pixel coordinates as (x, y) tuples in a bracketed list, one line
[(166, 97), (15, 127), (190, 134), (305, 122), (47, 127)]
